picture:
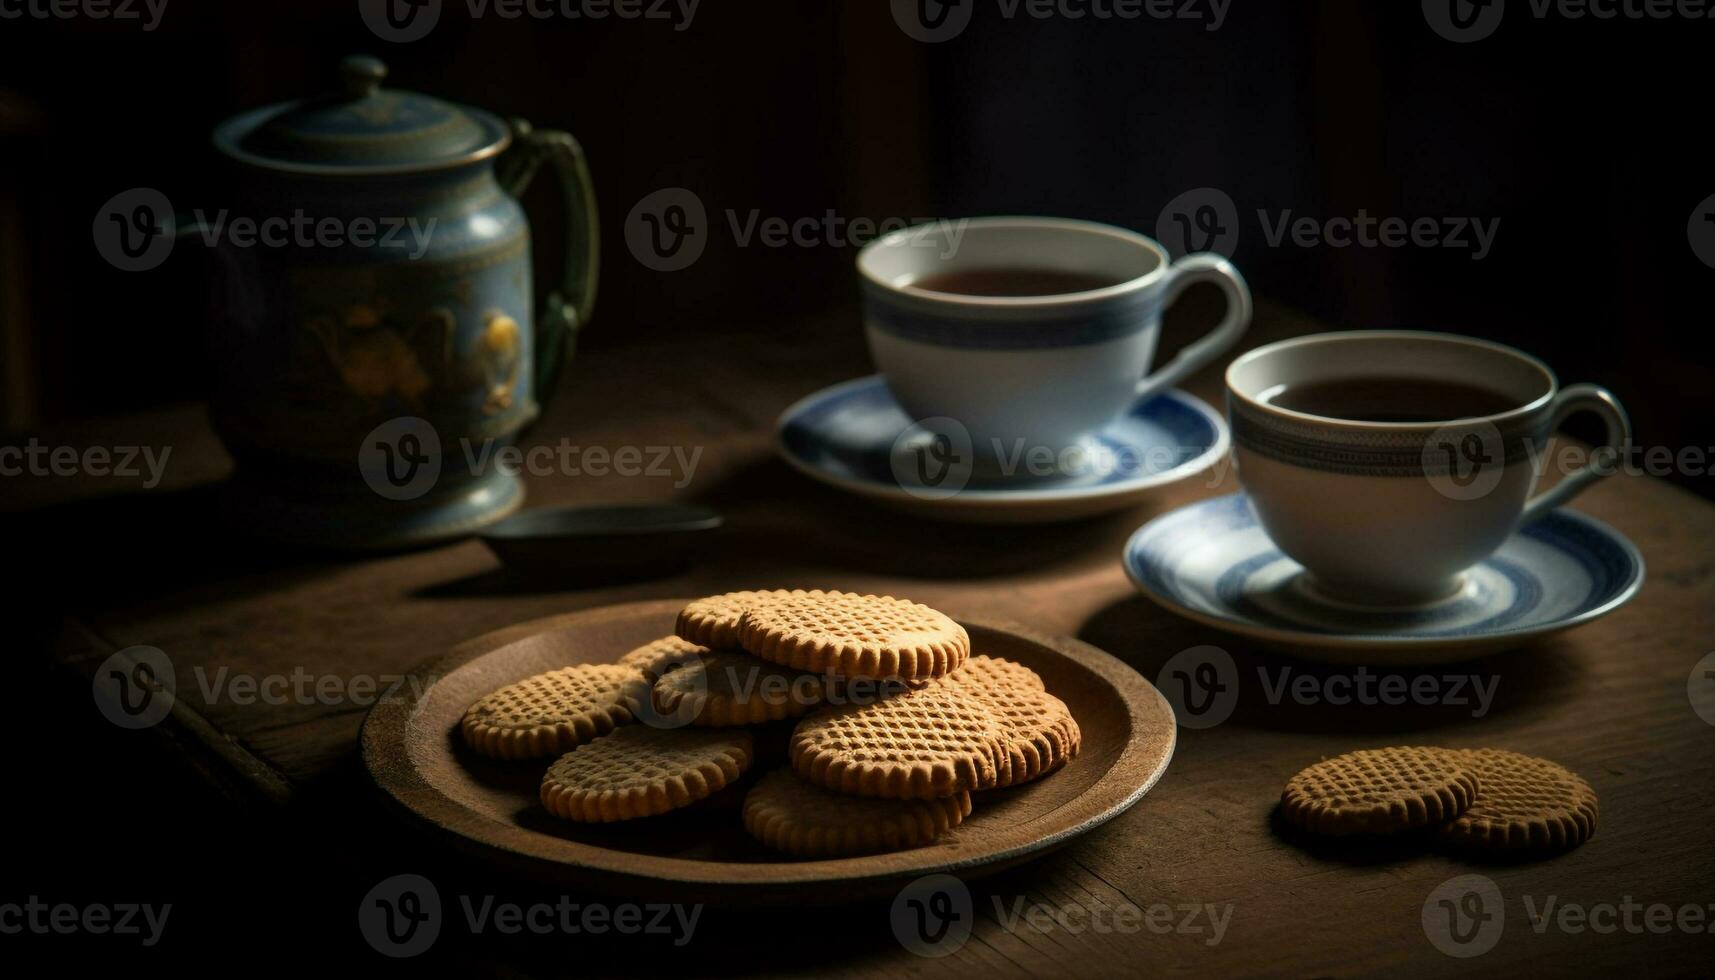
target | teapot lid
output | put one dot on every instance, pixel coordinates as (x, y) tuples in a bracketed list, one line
[(362, 130)]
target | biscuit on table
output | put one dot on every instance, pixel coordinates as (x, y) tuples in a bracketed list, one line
[(934, 741), (1523, 804), (641, 771), (552, 712), (1380, 791), (854, 635), (791, 815), (733, 688)]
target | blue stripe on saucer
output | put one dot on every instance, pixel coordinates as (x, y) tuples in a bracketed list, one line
[(848, 433), (1212, 558)]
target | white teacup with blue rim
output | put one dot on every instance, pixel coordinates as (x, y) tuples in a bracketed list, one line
[(1389, 462), (1030, 334)]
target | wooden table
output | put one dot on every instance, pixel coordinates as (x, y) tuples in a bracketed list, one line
[(1609, 700)]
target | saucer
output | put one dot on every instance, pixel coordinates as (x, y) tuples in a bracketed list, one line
[(851, 436), (1211, 561)]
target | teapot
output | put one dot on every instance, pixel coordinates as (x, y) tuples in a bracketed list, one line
[(375, 341)]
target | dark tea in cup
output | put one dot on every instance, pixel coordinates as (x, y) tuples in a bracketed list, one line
[(1391, 399), (1012, 282)]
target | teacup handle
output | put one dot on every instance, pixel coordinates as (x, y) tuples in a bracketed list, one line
[(1572, 400), (1187, 272)]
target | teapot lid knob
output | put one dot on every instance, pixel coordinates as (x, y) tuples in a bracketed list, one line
[(362, 75)]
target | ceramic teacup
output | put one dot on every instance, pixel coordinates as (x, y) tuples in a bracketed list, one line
[(1392, 512), (1022, 372)]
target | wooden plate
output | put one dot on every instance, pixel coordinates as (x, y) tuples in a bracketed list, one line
[(413, 750)]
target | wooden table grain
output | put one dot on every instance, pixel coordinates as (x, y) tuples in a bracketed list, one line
[(1216, 887)]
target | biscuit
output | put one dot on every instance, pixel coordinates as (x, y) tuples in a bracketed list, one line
[(997, 671), (713, 621), (931, 742), (854, 635), (658, 657), (1523, 804), (732, 688), (788, 814), (1041, 734), (641, 771), (550, 713), (865, 690), (1379, 791)]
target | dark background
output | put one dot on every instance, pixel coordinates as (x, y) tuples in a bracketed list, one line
[(1583, 137), (1580, 136)]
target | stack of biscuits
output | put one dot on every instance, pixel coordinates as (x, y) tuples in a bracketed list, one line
[(897, 723), (1491, 801)]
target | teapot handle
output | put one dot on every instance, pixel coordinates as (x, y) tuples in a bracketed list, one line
[(568, 306)]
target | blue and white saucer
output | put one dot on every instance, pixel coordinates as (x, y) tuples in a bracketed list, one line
[(854, 436), (1211, 561)]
